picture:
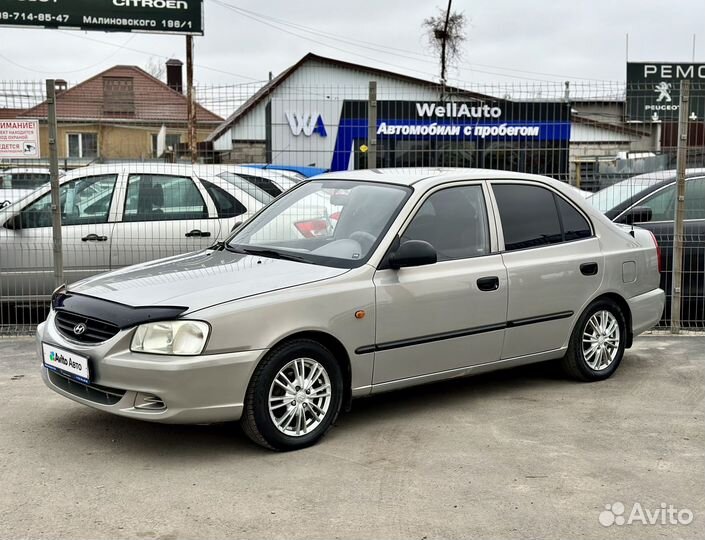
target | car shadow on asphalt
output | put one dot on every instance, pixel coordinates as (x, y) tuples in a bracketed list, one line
[(460, 391), (96, 429)]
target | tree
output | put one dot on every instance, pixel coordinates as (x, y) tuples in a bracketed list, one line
[(446, 35), (155, 67)]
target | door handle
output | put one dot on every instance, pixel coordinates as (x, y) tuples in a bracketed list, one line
[(490, 283), (94, 238), (588, 268), (196, 233)]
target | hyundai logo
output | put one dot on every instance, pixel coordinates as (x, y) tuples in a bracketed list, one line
[(79, 329)]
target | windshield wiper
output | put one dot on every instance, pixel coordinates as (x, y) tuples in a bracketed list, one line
[(264, 252)]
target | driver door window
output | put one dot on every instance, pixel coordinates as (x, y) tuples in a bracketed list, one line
[(86, 235), (454, 221), (84, 201), (661, 204)]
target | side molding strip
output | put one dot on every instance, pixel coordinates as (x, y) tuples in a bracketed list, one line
[(441, 336)]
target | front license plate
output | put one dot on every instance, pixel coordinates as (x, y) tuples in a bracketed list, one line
[(69, 363)]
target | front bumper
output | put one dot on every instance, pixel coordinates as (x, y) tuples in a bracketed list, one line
[(193, 389)]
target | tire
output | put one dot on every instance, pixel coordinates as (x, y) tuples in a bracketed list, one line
[(593, 354), (305, 407)]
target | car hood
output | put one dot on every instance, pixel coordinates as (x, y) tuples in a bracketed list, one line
[(201, 279)]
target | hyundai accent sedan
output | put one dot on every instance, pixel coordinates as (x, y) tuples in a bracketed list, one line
[(425, 275)]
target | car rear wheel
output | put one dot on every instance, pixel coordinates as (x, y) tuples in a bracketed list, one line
[(294, 396), (597, 344)]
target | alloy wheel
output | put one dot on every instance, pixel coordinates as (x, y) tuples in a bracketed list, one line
[(299, 397), (601, 340)]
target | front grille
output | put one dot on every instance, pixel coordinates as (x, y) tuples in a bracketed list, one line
[(92, 392), (95, 332)]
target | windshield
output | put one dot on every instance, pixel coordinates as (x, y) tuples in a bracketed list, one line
[(254, 191), (614, 195), (327, 222)]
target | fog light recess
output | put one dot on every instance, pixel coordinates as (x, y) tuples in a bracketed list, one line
[(149, 402)]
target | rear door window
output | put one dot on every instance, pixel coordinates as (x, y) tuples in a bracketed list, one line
[(529, 216), (575, 226), (534, 216), (152, 197)]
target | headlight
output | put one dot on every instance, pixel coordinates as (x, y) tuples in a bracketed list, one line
[(171, 337)]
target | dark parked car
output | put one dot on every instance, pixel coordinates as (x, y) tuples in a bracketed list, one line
[(649, 201)]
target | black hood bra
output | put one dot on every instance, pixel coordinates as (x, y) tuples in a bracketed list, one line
[(119, 315)]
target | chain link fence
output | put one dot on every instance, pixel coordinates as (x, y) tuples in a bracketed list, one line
[(129, 193)]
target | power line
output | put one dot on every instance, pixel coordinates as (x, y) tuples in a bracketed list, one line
[(151, 54), (43, 72), (273, 25), (385, 49)]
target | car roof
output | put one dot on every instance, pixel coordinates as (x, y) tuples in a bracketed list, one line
[(146, 167), (661, 176), (431, 176), (17, 170)]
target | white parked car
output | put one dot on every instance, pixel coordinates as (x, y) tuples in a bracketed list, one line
[(114, 216), (17, 183)]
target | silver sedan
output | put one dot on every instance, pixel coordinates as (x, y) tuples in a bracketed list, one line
[(422, 276)]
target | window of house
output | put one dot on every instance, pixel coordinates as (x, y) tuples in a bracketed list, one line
[(152, 197), (171, 141), (83, 145), (84, 201), (118, 96), (454, 222)]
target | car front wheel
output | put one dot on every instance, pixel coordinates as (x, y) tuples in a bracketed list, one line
[(294, 396), (597, 344)]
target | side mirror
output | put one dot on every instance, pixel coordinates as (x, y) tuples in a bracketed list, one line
[(638, 214), (413, 253), (14, 223)]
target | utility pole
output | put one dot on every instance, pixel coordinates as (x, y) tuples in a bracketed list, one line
[(54, 179), (444, 38), (190, 106), (678, 225), (372, 127)]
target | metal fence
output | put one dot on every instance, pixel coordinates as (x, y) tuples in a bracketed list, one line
[(129, 194)]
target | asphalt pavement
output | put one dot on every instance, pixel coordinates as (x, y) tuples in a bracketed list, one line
[(514, 454)]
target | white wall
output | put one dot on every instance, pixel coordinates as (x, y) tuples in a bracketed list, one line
[(317, 81)]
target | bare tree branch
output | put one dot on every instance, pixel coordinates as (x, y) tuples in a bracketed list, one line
[(446, 34)]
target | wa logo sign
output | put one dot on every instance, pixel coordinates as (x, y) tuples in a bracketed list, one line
[(307, 123)]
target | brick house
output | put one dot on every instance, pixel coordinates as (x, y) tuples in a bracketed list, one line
[(117, 114)]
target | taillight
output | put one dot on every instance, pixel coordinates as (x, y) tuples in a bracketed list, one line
[(658, 250), (312, 228)]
